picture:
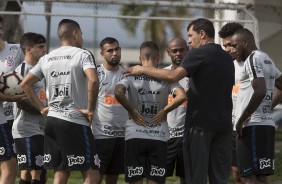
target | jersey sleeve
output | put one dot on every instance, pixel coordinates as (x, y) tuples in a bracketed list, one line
[(36, 70), (254, 66), (277, 73), (124, 81), (173, 86), (88, 60), (192, 61)]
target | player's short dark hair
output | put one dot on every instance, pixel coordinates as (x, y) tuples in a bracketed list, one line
[(66, 28), (152, 49), (229, 29), (108, 40), (202, 24), (30, 39), (246, 34)]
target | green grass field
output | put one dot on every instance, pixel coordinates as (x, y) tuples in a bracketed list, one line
[(75, 177)]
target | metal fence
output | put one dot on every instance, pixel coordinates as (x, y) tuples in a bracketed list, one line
[(131, 22)]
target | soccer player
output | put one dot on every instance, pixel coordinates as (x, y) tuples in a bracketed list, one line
[(226, 33), (72, 90), (177, 48), (208, 125), (109, 119), (10, 57), (29, 124), (147, 129), (254, 125)]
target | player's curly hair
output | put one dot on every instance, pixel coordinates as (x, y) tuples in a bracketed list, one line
[(229, 29)]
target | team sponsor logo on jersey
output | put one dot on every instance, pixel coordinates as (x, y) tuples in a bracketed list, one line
[(143, 91), (2, 150), (264, 163), (56, 58), (149, 109), (101, 73), (114, 131), (21, 159), (47, 158), (57, 74), (137, 171), (78, 160), (267, 62), (155, 171), (176, 131), (266, 109), (8, 110), (14, 48), (39, 160), (146, 78), (268, 97), (61, 91), (97, 161), (271, 77), (10, 61), (153, 133)]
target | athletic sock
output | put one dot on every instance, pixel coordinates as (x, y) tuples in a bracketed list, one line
[(24, 182)]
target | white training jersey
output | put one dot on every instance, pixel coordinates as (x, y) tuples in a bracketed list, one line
[(26, 124), (110, 116), (238, 69), (176, 117), (148, 95), (11, 56), (66, 82), (258, 64)]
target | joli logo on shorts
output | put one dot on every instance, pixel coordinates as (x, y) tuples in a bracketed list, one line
[(72, 160), (137, 171)]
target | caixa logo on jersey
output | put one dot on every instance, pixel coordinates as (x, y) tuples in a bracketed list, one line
[(149, 108), (58, 74), (143, 91), (61, 90)]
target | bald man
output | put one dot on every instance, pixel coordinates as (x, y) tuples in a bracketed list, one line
[(176, 50)]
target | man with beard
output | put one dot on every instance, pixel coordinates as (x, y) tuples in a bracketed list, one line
[(177, 48), (254, 125), (109, 119)]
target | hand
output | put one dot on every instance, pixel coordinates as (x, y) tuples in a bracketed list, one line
[(159, 118), (239, 126), (134, 70), (17, 98), (44, 111), (88, 114), (137, 118)]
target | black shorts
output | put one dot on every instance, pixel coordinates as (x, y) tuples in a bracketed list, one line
[(111, 154), (30, 152), (234, 153), (175, 157), (7, 145), (145, 158), (69, 146), (255, 151)]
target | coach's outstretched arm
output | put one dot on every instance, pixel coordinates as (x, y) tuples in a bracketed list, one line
[(161, 74)]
